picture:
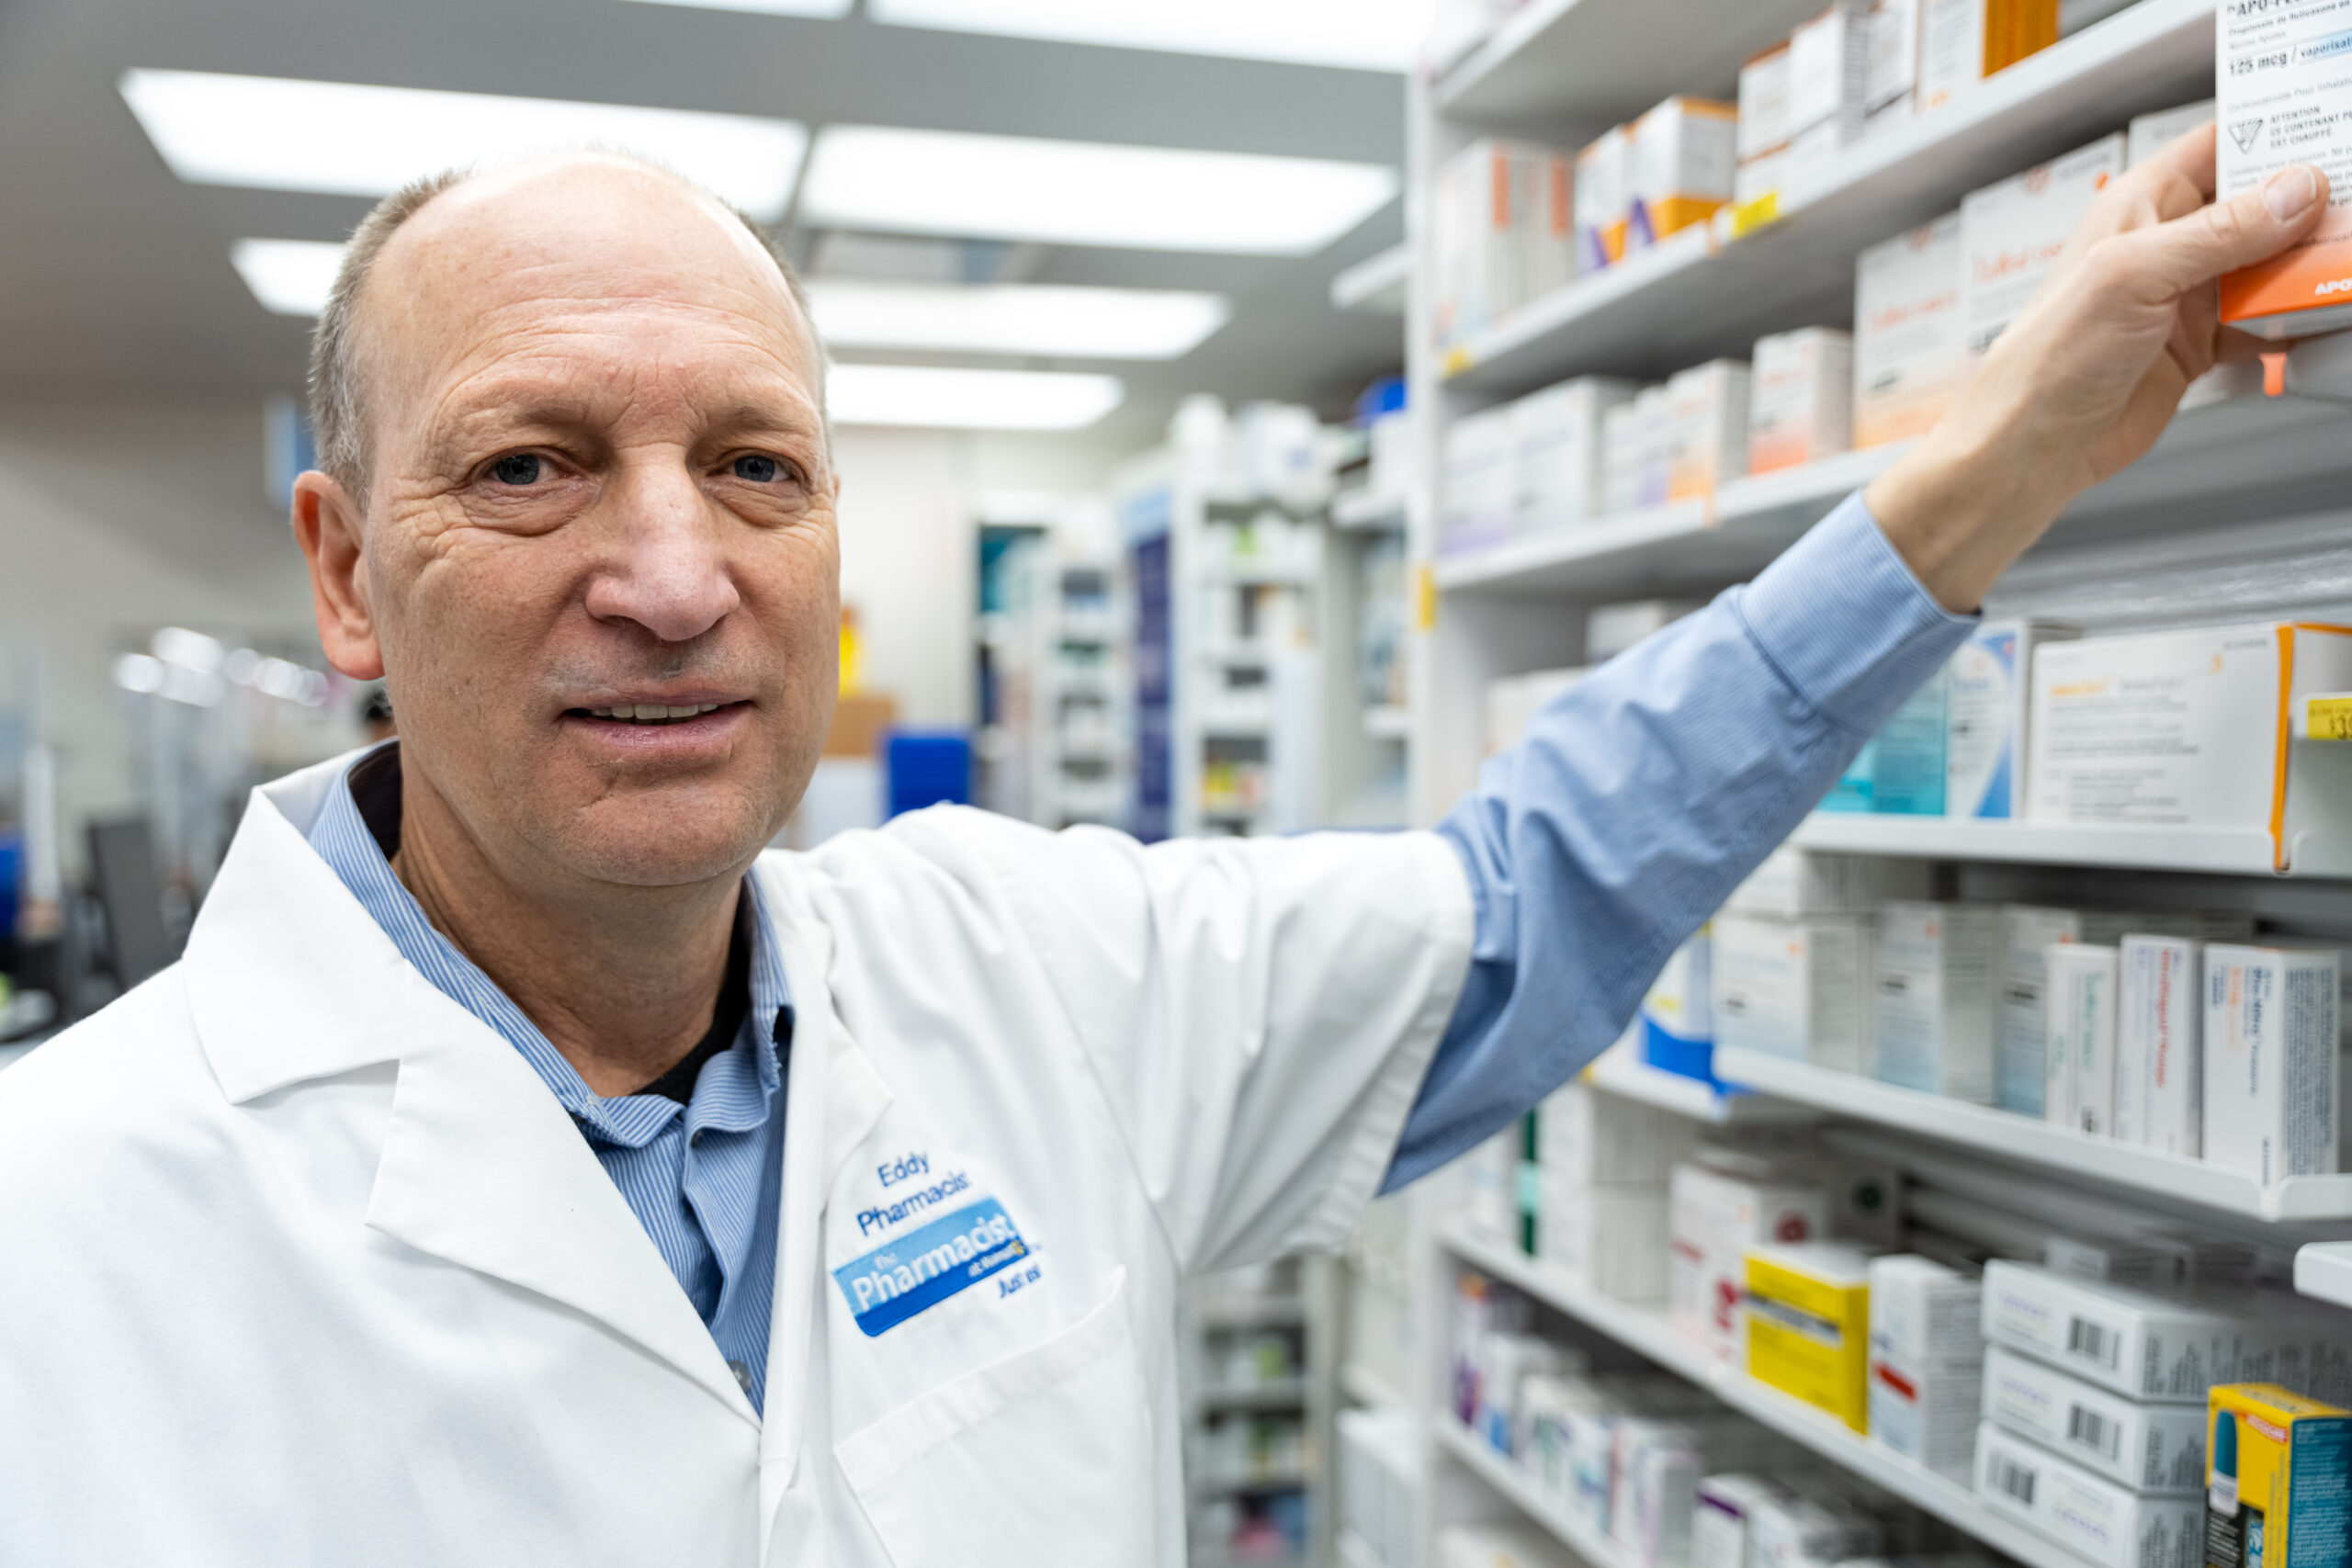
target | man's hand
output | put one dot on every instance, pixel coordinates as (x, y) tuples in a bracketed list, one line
[(2084, 380)]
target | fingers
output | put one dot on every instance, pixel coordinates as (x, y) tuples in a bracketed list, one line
[(2188, 157), (2252, 226)]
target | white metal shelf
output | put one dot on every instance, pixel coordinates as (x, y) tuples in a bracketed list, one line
[(1365, 1386), (1512, 1482), (1645, 1330), (2014, 1139), (2324, 1271), (1278, 1393), (1704, 292), (1588, 63), (1368, 509), (1621, 1071), (2244, 851)]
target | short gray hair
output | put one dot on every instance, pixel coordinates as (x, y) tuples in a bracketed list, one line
[(338, 382)]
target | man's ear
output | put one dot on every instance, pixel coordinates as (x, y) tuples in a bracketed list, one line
[(326, 524)]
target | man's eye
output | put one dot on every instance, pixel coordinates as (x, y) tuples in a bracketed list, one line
[(757, 469), (518, 468)]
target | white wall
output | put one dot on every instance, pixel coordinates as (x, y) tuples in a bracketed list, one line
[(909, 546)]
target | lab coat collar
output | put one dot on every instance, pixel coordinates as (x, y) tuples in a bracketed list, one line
[(289, 980)]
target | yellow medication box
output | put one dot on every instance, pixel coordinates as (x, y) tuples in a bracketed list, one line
[(2278, 1479), (1809, 1326)]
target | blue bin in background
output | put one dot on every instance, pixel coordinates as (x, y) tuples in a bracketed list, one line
[(926, 767)]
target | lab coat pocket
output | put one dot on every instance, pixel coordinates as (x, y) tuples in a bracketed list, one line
[(1043, 1458)]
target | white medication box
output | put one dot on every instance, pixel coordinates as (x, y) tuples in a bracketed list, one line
[(2272, 1035), (1988, 715), (1480, 493), (1556, 445), (1682, 163), (1932, 995), (1794, 989), (1720, 1206), (1484, 225), (2191, 728), (2284, 83), (1763, 105), (2159, 1051), (2095, 1520), (1927, 1362), (2022, 1065), (1963, 41), (1588, 1139), (2013, 233), (1603, 199), (1894, 86), (1614, 1238), (2149, 134), (2162, 1349), (2155, 1448), (1707, 427), (2080, 986), (1910, 345), (1800, 401), (1830, 64)]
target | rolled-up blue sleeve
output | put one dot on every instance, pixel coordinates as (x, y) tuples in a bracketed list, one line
[(1639, 799)]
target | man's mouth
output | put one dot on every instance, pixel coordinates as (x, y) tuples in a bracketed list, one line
[(653, 713)]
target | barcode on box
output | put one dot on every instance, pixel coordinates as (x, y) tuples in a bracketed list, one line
[(2094, 1341), (2015, 1479), (2088, 1428)]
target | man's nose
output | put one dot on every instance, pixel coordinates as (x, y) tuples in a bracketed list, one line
[(667, 568)]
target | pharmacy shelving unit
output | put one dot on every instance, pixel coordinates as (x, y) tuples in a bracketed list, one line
[(1057, 749), (1228, 667), (1292, 1302), (2239, 513), (1367, 724)]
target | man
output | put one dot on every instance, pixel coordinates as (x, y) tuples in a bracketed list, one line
[(904, 1145)]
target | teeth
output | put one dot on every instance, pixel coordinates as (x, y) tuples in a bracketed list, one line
[(653, 713)]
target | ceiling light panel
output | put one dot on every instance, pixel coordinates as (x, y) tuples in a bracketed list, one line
[(765, 7), (1370, 35), (273, 133), (1085, 193), (1063, 323), (968, 400), (291, 278)]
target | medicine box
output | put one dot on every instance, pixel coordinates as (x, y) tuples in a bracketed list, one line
[(2158, 1348), (1677, 1016), (1963, 41), (1480, 493), (2159, 1053), (2283, 79), (1498, 1546), (2021, 1067), (1910, 345), (2095, 1520), (1793, 882), (1763, 125), (2191, 727), (1603, 199), (1720, 1513), (1932, 995), (1612, 1237), (1718, 1207), (1588, 1139), (1988, 711), (2013, 232), (2276, 1485), (1817, 1522), (1621, 457), (2149, 134), (1707, 427), (1794, 989), (1800, 401), (1892, 87), (1556, 437), (2080, 986), (1682, 162), (1927, 1362), (1830, 64), (1900, 770), (2158, 1450), (2271, 1037), (1484, 225), (1808, 1326)]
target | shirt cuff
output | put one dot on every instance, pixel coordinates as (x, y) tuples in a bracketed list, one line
[(1846, 622)]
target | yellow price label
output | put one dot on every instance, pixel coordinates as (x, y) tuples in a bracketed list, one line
[(1457, 360), (2328, 719), (1424, 599), (1751, 216)]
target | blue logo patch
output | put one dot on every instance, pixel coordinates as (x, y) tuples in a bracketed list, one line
[(923, 1268)]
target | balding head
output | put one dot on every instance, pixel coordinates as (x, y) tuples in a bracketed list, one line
[(344, 357)]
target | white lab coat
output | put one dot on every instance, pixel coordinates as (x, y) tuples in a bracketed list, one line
[(300, 1263)]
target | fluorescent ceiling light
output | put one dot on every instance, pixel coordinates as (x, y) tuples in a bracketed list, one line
[(767, 7), (345, 139), (1084, 193), (968, 400), (1076, 323), (1371, 34), (291, 278)]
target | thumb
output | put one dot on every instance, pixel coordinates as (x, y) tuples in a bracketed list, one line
[(2252, 226)]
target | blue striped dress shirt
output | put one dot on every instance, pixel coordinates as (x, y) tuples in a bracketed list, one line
[(703, 1177)]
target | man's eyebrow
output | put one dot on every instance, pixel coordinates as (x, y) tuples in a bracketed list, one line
[(786, 418)]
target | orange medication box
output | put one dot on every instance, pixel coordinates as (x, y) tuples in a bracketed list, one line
[(2283, 79)]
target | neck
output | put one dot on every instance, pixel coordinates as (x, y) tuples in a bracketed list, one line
[(622, 980)]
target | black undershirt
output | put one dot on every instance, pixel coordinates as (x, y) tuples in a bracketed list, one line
[(376, 789)]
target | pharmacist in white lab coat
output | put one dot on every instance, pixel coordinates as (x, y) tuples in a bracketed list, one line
[(523, 1167)]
